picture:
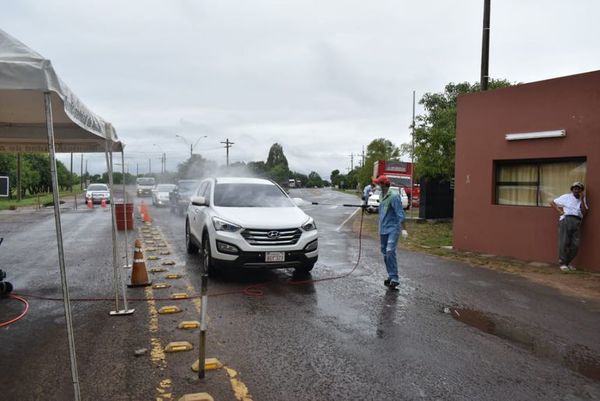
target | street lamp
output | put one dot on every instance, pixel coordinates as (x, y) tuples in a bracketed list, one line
[(192, 146)]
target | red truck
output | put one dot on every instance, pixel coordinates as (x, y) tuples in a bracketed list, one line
[(400, 175)]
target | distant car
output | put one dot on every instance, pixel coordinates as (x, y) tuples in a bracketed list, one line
[(373, 201), (179, 197), (249, 223), (160, 194), (144, 186), (97, 192)]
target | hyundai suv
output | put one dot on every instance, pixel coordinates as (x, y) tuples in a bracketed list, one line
[(249, 223)]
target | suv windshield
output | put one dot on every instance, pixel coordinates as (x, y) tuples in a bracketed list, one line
[(187, 186), (400, 181), (250, 195), (145, 181), (165, 187), (97, 187)]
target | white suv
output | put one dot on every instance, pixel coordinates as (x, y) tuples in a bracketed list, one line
[(249, 223)]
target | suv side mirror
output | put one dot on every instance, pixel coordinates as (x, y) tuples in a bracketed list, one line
[(199, 201)]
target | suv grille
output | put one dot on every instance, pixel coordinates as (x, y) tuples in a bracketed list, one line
[(284, 236)]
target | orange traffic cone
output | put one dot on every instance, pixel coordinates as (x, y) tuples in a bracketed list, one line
[(145, 213), (90, 204), (103, 203), (139, 275)]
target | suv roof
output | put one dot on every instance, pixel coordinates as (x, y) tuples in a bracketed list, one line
[(242, 180)]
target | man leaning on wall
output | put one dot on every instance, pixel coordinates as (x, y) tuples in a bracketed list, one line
[(572, 208)]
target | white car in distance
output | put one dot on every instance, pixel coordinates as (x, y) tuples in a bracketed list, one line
[(375, 197), (247, 223), (97, 192), (160, 194)]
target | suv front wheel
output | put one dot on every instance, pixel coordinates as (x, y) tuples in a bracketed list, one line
[(207, 259), (190, 246), (305, 269)]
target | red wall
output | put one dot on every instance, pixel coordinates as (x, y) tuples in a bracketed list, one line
[(483, 120)]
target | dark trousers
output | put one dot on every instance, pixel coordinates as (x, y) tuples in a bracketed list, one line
[(568, 239)]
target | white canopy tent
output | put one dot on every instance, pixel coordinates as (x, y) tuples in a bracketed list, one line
[(39, 113)]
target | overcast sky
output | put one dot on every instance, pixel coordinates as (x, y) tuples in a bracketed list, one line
[(322, 78)]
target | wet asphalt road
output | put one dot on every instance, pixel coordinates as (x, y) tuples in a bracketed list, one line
[(340, 336)]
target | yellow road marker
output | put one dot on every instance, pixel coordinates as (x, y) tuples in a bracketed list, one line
[(239, 388), (159, 286), (148, 241), (189, 324), (153, 258), (209, 364), (178, 346), (150, 249), (168, 263), (169, 309), (173, 276), (164, 252), (158, 270), (197, 397), (179, 295)]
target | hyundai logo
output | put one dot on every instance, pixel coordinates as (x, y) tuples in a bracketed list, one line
[(273, 234)]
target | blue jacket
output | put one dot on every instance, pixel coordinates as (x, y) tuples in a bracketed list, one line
[(391, 213)]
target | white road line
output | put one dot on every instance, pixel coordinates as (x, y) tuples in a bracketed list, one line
[(345, 221)]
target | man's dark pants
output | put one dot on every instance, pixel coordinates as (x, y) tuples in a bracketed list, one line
[(568, 239)]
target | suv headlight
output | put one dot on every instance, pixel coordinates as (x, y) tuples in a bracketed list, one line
[(224, 225), (309, 225)]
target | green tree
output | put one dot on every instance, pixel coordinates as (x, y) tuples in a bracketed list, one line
[(276, 157), (435, 131), (314, 180), (195, 167), (258, 168), (378, 149), (335, 177)]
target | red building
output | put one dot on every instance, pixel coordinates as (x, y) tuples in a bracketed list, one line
[(517, 149)]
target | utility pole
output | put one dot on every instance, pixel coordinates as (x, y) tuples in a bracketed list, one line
[(149, 166), (363, 156), (81, 174), (227, 146), (137, 169), (71, 177), (351, 161), (485, 45), (19, 176), (164, 162), (412, 150)]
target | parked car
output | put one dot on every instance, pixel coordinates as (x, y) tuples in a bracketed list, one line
[(97, 192), (144, 186), (373, 201), (160, 194), (248, 223), (179, 197)]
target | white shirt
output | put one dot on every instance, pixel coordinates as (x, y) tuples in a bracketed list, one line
[(570, 204)]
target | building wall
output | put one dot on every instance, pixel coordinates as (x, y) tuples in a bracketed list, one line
[(483, 120)]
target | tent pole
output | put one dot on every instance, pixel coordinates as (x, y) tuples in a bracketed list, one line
[(59, 240), (117, 272), (127, 265)]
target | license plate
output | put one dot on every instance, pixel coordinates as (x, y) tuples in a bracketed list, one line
[(275, 257)]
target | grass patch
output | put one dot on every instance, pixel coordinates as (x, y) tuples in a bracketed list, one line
[(29, 201)]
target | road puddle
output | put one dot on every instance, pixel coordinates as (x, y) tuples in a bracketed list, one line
[(578, 358)]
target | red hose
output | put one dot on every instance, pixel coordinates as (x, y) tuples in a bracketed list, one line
[(11, 321)]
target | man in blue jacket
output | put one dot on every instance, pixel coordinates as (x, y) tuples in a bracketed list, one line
[(391, 226)]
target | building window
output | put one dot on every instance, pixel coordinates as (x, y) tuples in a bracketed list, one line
[(536, 182)]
